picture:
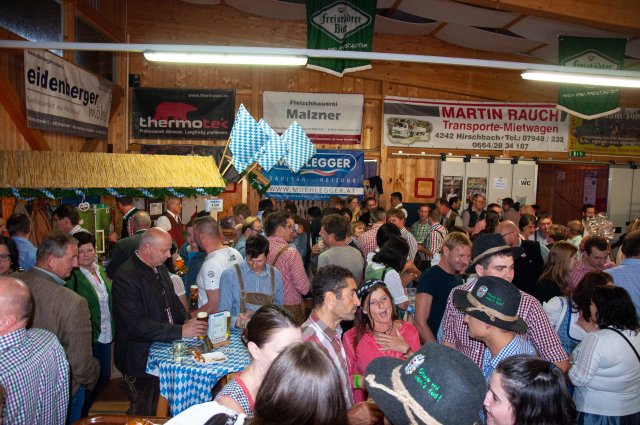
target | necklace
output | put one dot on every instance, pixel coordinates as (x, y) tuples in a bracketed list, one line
[(386, 332)]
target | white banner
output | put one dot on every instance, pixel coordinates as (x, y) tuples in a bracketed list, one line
[(64, 98), (425, 123), (325, 118)]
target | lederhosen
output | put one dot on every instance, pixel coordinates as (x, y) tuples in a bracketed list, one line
[(257, 298)]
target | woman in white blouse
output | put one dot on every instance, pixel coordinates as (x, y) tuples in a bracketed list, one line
[(606, 364), (90, 281), (571, 315)]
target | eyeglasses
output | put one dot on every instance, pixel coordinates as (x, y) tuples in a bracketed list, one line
[(255, 230), (504, 235), (5, 257)]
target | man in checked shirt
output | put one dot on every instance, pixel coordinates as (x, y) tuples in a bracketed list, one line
[(492, 256)]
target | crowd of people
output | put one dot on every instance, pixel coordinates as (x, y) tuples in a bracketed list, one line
[(515, 319)]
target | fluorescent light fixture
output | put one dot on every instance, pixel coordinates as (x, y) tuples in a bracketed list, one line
[(582, 79), (226, 58)]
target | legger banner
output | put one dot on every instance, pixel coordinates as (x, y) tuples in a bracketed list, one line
[(63, 98), (340, 25), (596, 53), (325, 118), (615, 134), (425, 123), (329, 173), (182, 114)]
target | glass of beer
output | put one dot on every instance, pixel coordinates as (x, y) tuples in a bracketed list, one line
[(193, 296)]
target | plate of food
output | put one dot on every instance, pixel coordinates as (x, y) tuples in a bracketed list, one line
[(208, 358)]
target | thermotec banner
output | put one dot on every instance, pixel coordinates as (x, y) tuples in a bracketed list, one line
[(64, 98), (329, 173), (182, 114)]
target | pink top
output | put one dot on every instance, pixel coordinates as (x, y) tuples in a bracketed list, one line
[(358, 358)]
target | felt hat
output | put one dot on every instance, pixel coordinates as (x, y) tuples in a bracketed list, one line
[(428, 387), (489, 244), (494, 301)]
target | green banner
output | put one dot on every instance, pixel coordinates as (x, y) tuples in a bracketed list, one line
[(340, 25), (596, 53)]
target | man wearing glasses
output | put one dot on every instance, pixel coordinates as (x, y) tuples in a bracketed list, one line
[(370, 204), (247, 286), (529, 266)]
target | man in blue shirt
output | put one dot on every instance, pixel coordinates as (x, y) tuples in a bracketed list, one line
[(19, 226), (245, 287), (627, 274)]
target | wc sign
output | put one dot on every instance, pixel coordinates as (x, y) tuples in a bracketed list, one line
[(525, 182)]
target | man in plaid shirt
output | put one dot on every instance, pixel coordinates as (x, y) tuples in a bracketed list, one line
[(432, 245), (493, 257), (335, 300), (33, 366), (367, 241)]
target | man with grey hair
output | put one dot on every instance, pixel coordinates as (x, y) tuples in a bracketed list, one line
[(208, 236), (63, 312), (32, 363), (125, 247), (171, 220), (146, 309)]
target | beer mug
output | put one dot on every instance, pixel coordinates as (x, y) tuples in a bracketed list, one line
[(193, 296), (203, 316)]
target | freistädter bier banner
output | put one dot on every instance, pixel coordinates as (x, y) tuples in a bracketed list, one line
[(596, 53), (340, 25)]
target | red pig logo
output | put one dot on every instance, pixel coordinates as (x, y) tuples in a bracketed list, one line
[(176, 110)]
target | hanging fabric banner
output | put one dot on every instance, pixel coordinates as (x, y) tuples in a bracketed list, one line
[(596, 53), (340, 25)]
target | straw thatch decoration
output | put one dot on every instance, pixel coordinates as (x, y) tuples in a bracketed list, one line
[(32, 169)]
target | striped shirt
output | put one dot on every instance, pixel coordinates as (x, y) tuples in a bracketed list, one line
[(516, 346), (581, 269), (330, 341), (540, 333), (294, 277), (35, 375), (420, 230), (238, 392)]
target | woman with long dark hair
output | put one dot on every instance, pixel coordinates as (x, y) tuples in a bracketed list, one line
[(527, 390), (376, 332), (387, 264), (571, 315), (302, 387), (606, 364)]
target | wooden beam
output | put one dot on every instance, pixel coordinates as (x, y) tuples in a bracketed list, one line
[(13, 105), (609, 15)]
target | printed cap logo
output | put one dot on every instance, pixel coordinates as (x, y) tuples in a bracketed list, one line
[(482, 291), (339, 20), (413, 364)]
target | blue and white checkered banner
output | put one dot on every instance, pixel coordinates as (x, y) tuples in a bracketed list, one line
[(300, 149), (273, 150), (247, 138), (328, 173)]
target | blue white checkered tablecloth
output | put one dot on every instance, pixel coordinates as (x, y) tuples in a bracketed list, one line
[(188, 383)]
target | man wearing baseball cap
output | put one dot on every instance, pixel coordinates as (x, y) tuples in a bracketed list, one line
[(492, 256), (491, 314)]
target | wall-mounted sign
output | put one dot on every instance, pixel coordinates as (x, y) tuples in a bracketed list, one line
[(424, 123), (213, 205), (325, 118), (329, 173), (615, 134), (64, 98), (182, 114)]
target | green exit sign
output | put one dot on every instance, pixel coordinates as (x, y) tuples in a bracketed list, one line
[(578, 154)]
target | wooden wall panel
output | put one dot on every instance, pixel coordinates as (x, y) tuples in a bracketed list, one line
[(561, 189)]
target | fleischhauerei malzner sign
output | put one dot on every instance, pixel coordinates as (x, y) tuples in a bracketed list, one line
[(339, 20)]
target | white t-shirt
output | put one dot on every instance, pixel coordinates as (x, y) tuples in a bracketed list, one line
[(178, 285), (393, 282), (208, 278), (201, 413)]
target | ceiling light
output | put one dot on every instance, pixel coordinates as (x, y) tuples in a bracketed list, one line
[(582, 79), (225, 58)]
